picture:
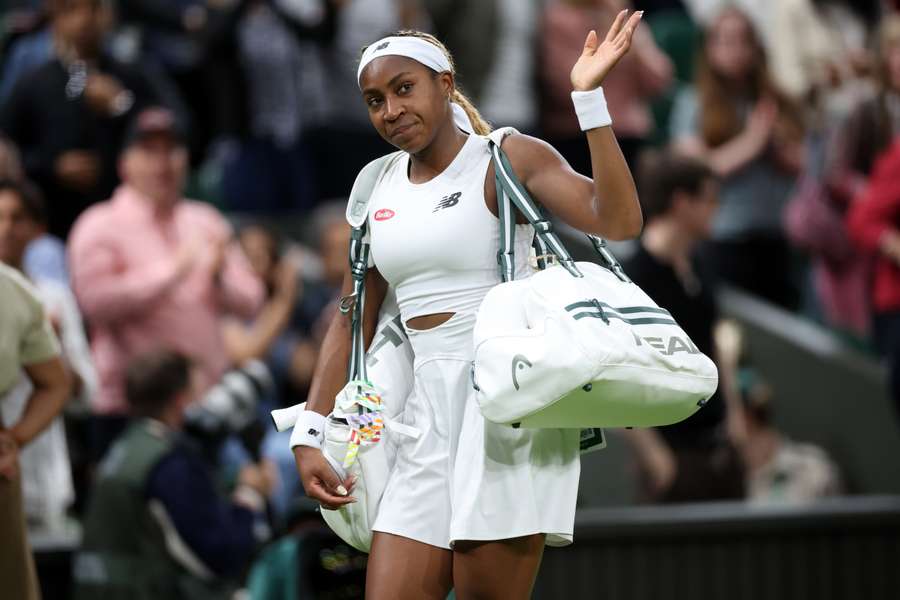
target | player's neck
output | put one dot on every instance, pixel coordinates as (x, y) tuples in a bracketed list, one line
[(432, 160)]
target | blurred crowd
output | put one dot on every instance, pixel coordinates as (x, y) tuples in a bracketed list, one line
[(172, 176)]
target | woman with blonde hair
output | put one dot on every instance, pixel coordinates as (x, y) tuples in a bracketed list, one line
[(470, 504), (735, 119)]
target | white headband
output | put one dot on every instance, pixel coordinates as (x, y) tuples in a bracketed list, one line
[(421, 51)]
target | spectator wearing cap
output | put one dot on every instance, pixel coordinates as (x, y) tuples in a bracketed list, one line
[(68, 116), (151, 269)]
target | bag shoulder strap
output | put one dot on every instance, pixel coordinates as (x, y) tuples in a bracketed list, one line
[(510, 191), (357, 215), (364, 185)]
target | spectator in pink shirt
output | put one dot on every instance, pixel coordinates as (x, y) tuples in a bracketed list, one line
[(151, 270)]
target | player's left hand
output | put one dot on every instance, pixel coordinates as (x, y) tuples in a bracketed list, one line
[(598, 58)]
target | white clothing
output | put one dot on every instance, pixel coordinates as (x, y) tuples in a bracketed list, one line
[(464, 478), (436, 242)]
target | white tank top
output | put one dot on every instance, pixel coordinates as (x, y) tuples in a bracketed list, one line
[(436, 242)]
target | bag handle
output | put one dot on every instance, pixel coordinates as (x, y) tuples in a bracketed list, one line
[(510, 191)]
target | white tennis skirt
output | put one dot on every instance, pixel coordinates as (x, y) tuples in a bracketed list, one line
[(466, 478)]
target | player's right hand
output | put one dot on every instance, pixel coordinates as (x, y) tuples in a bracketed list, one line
[(320, 481)]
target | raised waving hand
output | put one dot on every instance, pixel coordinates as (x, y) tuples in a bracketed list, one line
[(598, 58)]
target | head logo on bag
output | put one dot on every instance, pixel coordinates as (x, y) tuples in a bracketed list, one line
[(519, 362), (675, 344)]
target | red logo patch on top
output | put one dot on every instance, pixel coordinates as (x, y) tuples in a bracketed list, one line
[(384, 214)]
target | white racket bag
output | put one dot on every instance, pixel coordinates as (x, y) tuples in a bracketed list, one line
[(578, 344), (390, 364), (385, 371)]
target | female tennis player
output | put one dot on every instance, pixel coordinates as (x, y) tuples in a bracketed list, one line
[(470, 504)]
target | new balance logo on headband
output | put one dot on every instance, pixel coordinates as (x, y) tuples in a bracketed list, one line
[(448, 201)]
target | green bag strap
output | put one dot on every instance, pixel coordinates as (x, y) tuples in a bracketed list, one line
[(357, 215), (510, 191), (355, 302), (506, 253)]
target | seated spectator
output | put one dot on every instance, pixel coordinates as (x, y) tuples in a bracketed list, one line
[(27, 344), (156, 525), (872, 222), (643, 73), (68, 115), (152, 270), (46, 472), (697, 458), (779, 470), (736, 120)]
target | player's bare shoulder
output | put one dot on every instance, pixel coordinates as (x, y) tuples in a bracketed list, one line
[(528, 154)]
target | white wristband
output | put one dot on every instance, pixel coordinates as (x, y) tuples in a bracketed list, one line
[(590, 107), (309, 430)]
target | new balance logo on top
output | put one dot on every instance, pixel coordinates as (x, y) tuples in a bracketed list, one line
[(448, 201)]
